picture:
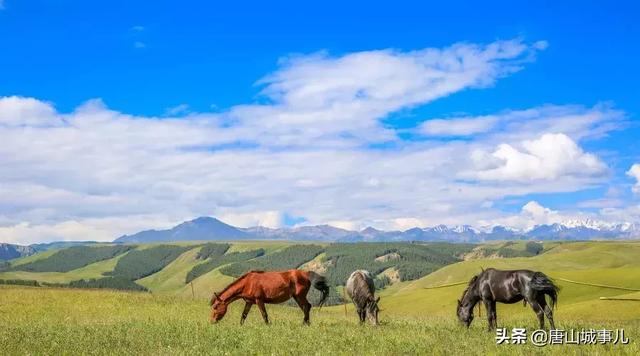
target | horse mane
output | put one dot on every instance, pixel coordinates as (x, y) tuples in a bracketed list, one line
[(472, 284), (242, 277)]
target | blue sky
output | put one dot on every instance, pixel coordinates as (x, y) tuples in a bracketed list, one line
[(228, 85)]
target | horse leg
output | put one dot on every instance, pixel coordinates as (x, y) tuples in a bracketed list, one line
[(490, 306), (245, 312), (487, 306), (539, 312), (547, 311), (362, 314), (263, 311), (304, 304), (494, 314)]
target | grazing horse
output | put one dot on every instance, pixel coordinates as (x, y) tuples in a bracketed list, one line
[(361, 290), (492, 285), (258, 287)]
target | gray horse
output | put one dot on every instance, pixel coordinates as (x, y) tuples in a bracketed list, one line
[(361, 290)]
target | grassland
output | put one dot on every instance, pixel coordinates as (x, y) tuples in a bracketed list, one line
[(66, 321), (416, 318)]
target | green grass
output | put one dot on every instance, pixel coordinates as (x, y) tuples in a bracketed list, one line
[(36, 257), (171, 278), (66, 321)]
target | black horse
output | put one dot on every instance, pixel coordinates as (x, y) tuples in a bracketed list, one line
[(492, 285)]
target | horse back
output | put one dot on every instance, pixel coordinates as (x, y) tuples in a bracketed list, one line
[(360, 286), (506, 286)]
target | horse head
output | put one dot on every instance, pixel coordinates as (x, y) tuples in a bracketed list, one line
[(465, 306), (218, 308), (372, 310)]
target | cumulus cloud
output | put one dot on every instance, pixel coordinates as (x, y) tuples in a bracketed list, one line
[(27, 112), (271, 219), (530, 215), (305, 151), (547, 158), (634, 172)]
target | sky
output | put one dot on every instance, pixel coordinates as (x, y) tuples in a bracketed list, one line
[(119, 116)]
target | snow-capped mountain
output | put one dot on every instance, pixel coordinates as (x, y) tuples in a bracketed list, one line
[(206, 228)]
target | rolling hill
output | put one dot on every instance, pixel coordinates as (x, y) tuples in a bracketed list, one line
[(604, 263), (176, 268), (404, 271)]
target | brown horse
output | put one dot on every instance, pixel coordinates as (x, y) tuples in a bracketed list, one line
[(258, 287)]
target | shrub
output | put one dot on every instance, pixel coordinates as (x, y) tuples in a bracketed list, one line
[(20, 282), (119, 283)]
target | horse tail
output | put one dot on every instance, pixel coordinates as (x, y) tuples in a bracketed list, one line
[(320, 283), (541, 283)]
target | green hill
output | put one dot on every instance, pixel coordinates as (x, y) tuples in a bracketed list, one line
[(607, 263), (187, 268)]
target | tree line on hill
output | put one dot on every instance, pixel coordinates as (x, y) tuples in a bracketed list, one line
[(73, 258)]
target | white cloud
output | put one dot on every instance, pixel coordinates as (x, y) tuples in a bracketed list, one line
[(93, 229), (549, 157), (320, 99), (177, 110), (458, 126), (634, 172), (345, 224), (96, 173), (19, 111), (531, 214), (271, 219)]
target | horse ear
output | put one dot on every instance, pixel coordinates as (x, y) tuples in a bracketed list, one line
[(481, 269), (378, 299), (216, 295), (459, 302)]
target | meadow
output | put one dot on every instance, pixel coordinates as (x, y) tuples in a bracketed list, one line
[(67, 321), (418, 316)]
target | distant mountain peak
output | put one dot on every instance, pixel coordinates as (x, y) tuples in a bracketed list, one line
[(201, 228), (210, 228), (370, 230)]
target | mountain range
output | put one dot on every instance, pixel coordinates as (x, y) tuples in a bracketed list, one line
[(10, 251), (209, 228)]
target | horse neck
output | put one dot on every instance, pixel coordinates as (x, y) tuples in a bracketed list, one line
[(231, 292), (471, 298)]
